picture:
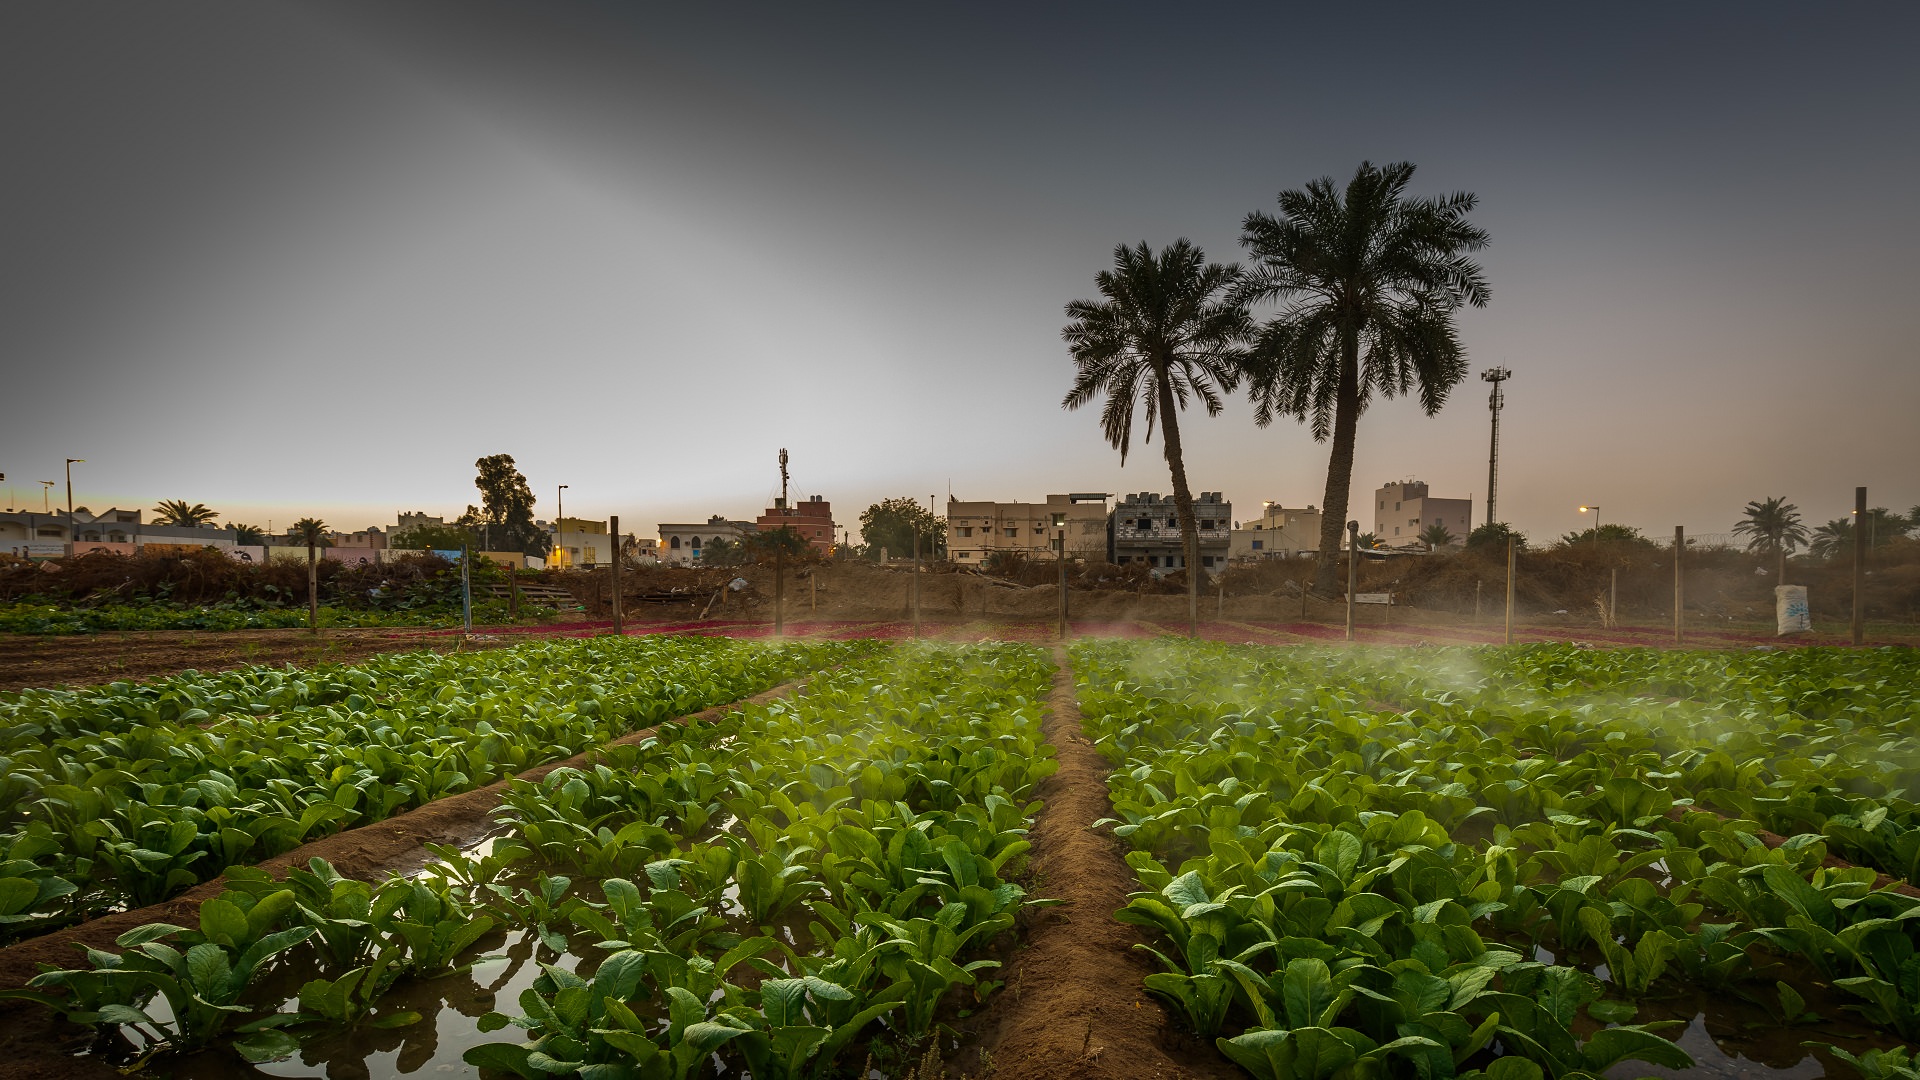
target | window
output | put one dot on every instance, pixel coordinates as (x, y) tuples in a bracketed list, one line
[(695, 544), (1206, 523), (1396, 506), (1396, 530), (1256, 545), (964, 532), (1013, 531), (963, 554), (1206, 560), (674, 542), (1173, 523), (1383, 504)]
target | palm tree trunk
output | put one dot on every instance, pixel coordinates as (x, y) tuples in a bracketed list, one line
[(1182, 501), (1333, 513), (313, 591)]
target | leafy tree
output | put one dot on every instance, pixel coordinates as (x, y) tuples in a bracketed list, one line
[(762, 545), (249, 535), (1436, 536), (1369, 281), (892, 523), (1491, 537), (506, 510), (720, 551), (1606, 534), (1835, 538), (313, 532), (1167, 330), (182, 513), (1772, 527), (434, 537)]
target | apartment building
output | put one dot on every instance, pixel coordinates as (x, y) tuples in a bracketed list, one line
[(1403, 509), (977, 531), (1145, 528), (811, 517), (680, 545), (1276, 534)]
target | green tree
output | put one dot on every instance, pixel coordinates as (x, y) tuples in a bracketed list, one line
[(249, 535), (1368, 281), (181, 512), (1606, 534), (1772, 527), (434, 538), (1436, 536), (1366, 541), (1835, 538), (505, 513), (720, 551), (313, 532), (1491, 537), (761, 545), (1166, 330), (892, 524)]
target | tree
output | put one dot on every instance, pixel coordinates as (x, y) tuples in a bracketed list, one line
[(1615, 535), (1369, 282), (787, 540), (314, 532), (1436, 536), (1492, 537), (182, 513), (1366, 541), (506, 509), (434, 537), (720, 551), (1772, 527), (1835, 538), (249, 535), (1167, 331), (892, 523)]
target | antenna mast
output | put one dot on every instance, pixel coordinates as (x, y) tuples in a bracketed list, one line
[(1495, 401), (783, 479)]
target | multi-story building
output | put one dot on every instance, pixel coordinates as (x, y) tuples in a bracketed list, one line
[(1277, 533), (977, 531), (34, 535), (579, 542), (812, 518), (1146, 528), (1402, 510), (680, 545)]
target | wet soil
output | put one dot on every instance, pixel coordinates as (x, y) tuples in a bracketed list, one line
[(35, 1043), (1073, 1005), (29, 660)]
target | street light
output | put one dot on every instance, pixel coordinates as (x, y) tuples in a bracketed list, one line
[(46, 506), (560, 523), (1596, 521), (70, 531)]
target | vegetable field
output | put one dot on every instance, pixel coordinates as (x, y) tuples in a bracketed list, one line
[(1533, 862)]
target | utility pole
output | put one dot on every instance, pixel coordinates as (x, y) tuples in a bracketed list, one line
[(1353, 570), (71, 533), (1512, 561), (613, 526), (1859, 565), (779, 589), (916, 584), (466, 585), (1495, 402), (1060, 521), (559, 525), (1679, 583)]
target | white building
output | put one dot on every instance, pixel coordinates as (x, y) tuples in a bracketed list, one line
[(1402, 510), (976, 531), (1276, 534), (681, 545)]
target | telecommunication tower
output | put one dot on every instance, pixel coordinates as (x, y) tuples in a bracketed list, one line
[(782, 504), (1496, 376)]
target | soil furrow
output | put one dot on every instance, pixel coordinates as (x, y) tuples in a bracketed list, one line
[(1073, 1005)]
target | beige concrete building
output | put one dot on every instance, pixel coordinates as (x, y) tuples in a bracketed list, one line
[(1277, 533), (1403, 509), (976, 531), (681, 545), (1145, 528)]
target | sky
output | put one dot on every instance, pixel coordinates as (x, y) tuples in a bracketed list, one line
[(301, 258)]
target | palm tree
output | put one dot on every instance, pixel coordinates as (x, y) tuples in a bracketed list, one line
[(1832, 539), (1773, 526), (249, 535), (1368, 281), (1166, 331), (181, 512), (1436, 536), (312, 531)]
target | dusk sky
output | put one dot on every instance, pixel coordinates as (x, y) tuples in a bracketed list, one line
[(292, 259)]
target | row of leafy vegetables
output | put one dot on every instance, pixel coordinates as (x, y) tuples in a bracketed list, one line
[(124, 795), (1413, 863), (786, 891)]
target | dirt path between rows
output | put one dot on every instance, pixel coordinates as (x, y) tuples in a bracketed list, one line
[(1073, 1005), (34, 1043)]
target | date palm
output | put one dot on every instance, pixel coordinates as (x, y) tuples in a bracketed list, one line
[(1165, 331), (312, 531), (183, 513), (1772, 527), (1368, 280), (1436, 536)]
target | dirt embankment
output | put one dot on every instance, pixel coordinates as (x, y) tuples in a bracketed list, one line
[(87, 659), (1073, 1005)]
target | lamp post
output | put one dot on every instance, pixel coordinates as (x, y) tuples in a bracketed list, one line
[(46, 503), (560, 523), (1353, 570), (1596, 520), (1060, 524), (70, 531)]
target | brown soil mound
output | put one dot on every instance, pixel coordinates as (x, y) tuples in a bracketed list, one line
[(1073, 1005), (88, 659)]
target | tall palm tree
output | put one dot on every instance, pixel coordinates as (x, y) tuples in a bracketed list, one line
[(1368, 281), (313, 531), (1833, 539), (181, 512), (1166, 331), (1772, 526)]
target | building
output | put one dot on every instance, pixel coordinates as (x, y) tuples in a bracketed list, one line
[(977, 531), (812, 518), (369, 537), (1402, 510), (1146, 528), (34, 535), (417, 520), (579, 542), (1277, 533), (680, 545)]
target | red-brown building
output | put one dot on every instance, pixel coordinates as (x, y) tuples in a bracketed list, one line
[(812, 518)]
